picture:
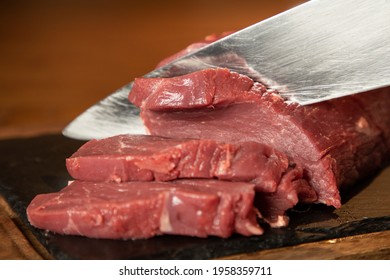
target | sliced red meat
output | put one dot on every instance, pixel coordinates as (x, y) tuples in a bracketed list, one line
[(337, 142), (124, 158), (202, 89), (291, 191), (144, 209), (145, 158)]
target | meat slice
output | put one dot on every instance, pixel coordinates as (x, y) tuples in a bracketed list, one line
[(337, 142), (124, 158), (136, 210), (291, 191), (202, 89)]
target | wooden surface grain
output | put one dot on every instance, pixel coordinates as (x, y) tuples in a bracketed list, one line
[(16, 242), (60, 57), (358, 247)]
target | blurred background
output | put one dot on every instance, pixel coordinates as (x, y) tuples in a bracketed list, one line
[(57, 58)]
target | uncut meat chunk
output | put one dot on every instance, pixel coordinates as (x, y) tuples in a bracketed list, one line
[(124, 158), (336, 142), (136, 210), (377, 108)]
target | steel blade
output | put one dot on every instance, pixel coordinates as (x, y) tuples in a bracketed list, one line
[(320, 50)]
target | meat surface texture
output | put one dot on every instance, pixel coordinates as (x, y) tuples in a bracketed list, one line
[(136, 210), (336, 142), (124, 158)]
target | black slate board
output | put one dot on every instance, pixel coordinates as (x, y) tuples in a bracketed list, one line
[(30, 166)]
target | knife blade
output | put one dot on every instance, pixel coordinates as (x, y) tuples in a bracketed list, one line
[(319, 50)]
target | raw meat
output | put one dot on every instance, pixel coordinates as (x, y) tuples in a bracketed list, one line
[(337, 142), (137, 210), (124, 158)]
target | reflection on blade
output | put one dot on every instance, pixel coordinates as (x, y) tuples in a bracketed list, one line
[(111, 116)]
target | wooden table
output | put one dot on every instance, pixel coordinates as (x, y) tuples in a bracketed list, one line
[(60, 57)]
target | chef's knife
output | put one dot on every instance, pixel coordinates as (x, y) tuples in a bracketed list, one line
[(319, 50)]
